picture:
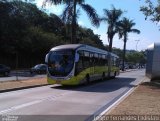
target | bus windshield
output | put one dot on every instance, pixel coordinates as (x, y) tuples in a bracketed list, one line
[(61, 62)]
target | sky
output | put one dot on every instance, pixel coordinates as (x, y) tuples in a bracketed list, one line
[(149, 31)]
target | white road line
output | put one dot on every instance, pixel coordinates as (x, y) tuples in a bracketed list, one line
[(120, 99), (32, 103), (117, 102), (19, 106)]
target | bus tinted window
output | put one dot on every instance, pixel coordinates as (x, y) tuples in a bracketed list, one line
[(61, 62)]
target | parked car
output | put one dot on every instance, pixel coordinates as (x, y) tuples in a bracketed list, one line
[(39, 69), (4, 70)]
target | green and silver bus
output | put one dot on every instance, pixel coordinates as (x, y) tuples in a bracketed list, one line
[(75, 64)]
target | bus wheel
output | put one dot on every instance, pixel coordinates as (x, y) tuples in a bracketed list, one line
[(87, 79), (115, 73), (103, 75)]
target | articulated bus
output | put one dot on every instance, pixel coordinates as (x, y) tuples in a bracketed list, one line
[(75, 64)]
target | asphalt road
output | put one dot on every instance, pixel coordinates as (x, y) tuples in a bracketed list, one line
[(56, 103)]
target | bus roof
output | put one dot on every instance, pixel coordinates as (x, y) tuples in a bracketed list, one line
[(68, 46), (83, 46)]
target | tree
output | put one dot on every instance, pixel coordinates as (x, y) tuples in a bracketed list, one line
[(27, 32), (151, 10), (111, 17), (23, 33), (136, 57), (125, 26), (70, 14)]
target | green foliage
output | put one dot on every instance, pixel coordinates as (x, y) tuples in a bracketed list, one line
[(30, 33), (118, 52), (136, 57), (112, 17), (70, 14), (125, 26), (152, 10)]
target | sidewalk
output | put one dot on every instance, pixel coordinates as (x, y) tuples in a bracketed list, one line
[(145, 100), (22, 84)]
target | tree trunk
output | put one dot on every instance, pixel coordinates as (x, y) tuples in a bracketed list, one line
[(109, 55), (124, 54), (73, 37), (110, 44)]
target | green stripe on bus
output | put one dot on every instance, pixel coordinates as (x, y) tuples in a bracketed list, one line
[(77, 79)]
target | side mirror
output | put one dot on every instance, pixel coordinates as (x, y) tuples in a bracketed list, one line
[(77, 57), (46, 59)]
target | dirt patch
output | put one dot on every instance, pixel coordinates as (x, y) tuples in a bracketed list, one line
[(145, 100), (22, 83)]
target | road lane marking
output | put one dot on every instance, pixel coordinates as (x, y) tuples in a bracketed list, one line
[(52, 98), (97, 115)]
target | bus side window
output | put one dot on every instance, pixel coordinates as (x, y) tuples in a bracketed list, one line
[(91, 59), (103, 60), (79, 64), (99, 59), (96, 63), (106, 60), (117, 62), (113, 61), (86, 60)]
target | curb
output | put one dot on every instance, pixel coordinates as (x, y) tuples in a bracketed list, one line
[(128, 70), (21, 88), (117, 102)]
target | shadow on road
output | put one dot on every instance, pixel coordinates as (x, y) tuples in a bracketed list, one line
[(101, 86)]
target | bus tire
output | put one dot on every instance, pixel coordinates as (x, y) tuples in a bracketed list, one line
[(115, 73), (87, 79), (103, 75)]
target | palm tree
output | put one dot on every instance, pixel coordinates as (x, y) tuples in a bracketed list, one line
[(112, 18), (125, 26), (70, 14)]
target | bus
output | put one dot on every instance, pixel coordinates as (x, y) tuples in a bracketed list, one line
[(75, 64)]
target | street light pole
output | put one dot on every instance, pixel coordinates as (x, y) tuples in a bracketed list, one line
[(137, 43)]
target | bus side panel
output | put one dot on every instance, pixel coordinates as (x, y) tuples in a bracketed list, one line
[(94, 72), (50, 80), (79, 79)]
